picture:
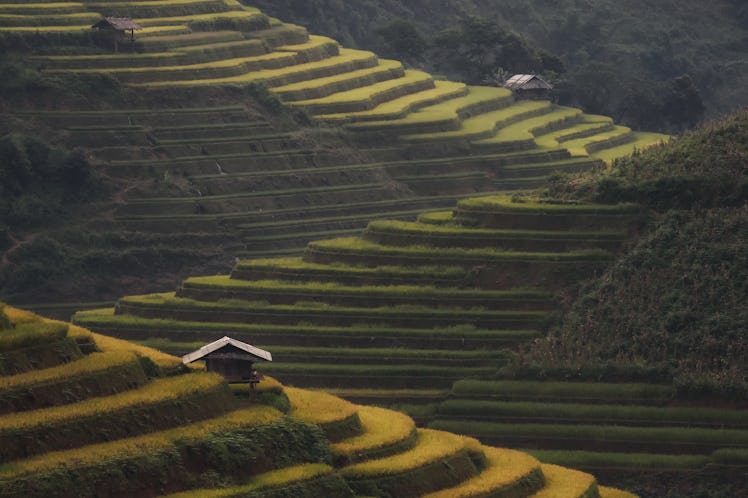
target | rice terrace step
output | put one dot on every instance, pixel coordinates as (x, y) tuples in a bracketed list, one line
[(373, 451)]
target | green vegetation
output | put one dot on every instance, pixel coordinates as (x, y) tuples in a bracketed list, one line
[(675, 300), (40, 183), (602, 56), (608, 438), (576, 391), (575, 413)]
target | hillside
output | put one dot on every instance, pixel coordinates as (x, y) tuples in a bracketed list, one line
[(676, 299), (221, 133), (447, 317), (82, 414), (622, 58)]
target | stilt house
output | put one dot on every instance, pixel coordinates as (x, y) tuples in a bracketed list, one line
[(529, 87), (231, 358), (122, 29)]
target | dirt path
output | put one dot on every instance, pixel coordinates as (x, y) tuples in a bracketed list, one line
[(17, 244)]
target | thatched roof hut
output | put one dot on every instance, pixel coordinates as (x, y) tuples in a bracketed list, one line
[(529, 86), (119, 27)]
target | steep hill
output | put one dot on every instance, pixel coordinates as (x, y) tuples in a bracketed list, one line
[(676, 299), (83, 414), (448, 315), (191, 143), (623, 58)]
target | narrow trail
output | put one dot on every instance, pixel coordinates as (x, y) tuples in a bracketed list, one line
[(17, 244)]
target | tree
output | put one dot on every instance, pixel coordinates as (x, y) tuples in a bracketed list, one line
[(682, 106), (402, 40)]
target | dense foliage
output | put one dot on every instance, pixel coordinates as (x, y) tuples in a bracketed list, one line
[(677, 298), (707, 168), (38, 182), (648, 71)]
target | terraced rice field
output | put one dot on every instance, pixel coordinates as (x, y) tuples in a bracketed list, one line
[(427, 313), (455, 296), (235, 174), (281, 440)]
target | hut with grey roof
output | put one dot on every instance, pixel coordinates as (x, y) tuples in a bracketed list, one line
[(231, 358), (119, 27), (529, 86)]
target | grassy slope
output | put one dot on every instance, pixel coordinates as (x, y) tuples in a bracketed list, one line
[(655, 46), (677, 299)]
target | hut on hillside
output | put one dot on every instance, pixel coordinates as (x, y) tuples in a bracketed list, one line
[(529, 87), (119, 28), (231, 358)]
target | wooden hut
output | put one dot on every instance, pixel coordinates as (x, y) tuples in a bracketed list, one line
[(231, 358), (119, 27), (529, 86)]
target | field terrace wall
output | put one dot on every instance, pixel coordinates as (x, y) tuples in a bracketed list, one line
[(405, 306), (238, 182), (401, 313), (275, 441)]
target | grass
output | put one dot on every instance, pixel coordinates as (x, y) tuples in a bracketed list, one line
[(612, 414), (589, 391), (326, 85), (355, 245), (618, 460), (30, 334), (329, 288), (566, 483), (505, 203), (157, 391), (399, 107), (704, 439), (317, 407), (504, 471), (448, 111), (587, 145), (90, 364), (239, 310), (606, 492), (460, 233), (431, 447), (158, 405), (485, 125), (90, 455), (273, 479), (47, 19), (348, 60), (364, 97), (105, 319), (297, 264), (165, 362), (382, 428), (529, 128), (640, 141), (379, 370)]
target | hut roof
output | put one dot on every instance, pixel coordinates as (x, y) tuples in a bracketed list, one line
[(204, 351), (117, 23), (527, 82)]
